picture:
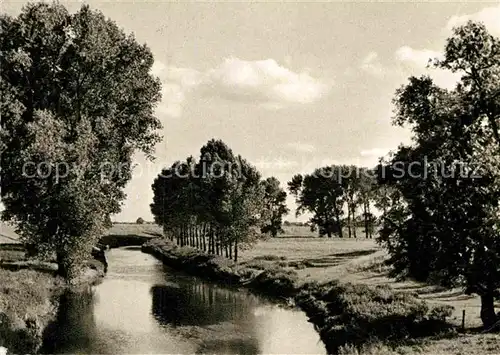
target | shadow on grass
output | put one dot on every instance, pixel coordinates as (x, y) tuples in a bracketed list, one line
[(450, 295), (336, 258), (376, 276), (12, 247), (16, 266), (356, 253)]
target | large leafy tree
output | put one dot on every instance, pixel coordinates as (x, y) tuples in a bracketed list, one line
[(322, 194), (275, 206), (77, 101), (445, 226)]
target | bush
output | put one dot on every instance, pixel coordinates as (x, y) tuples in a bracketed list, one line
[(139, 221), (348, 314), (269, 257), (277, 281)]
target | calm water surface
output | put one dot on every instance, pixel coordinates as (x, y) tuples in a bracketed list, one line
[(144, 307)]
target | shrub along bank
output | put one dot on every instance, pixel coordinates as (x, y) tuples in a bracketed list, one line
[(29, 294), (343, 314)]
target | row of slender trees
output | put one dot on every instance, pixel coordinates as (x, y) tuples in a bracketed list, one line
[(218, 203)]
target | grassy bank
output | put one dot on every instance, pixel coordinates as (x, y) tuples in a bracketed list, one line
[(346, 315), (29, 292)]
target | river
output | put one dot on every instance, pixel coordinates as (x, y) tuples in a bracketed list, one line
[(144, 307)]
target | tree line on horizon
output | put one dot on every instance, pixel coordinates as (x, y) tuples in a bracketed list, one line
[(76, 88), (193, 200)]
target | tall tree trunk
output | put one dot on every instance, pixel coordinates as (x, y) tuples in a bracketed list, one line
[(365, 213), (236, 251), (337, 219), (231, 250), (62, 269), (210, 239), (191, 235), (353, 216), (488, 315), (349, 220), (204, 235), (339, 227), (370, 220), (184, 239)]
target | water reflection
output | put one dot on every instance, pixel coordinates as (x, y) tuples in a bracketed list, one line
[(199, 304), (75, 325), (142, 307), (236, 346)]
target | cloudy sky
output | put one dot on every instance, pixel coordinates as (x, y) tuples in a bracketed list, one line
[(290, 86)]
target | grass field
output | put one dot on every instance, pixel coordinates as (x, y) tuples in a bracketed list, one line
[(359, 261), (7, 233)]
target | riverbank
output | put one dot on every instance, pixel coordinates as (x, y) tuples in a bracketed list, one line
[(345, 315), (29, 293)]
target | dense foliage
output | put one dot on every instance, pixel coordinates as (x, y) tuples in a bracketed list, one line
[(217, 203), (77, 100), (445, 223)]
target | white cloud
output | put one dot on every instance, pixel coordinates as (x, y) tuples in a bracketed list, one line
[(490, 16), (301, 147), (371, 64), (416, 57), (415, 62), (176, 83), (262, 82)]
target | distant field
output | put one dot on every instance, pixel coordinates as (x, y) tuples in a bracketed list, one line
[(297, 231), (7, 234), (311, 249), (135, 229), (305, 232)]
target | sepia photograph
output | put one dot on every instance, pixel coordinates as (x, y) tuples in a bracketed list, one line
[(249, 177)]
